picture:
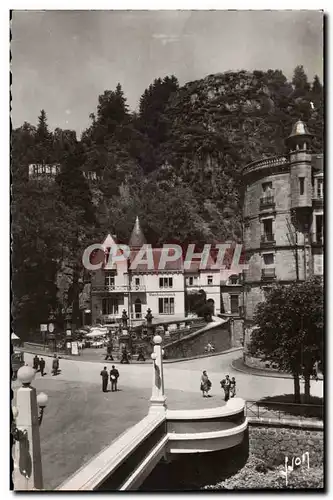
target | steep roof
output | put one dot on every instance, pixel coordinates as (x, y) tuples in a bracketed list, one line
[(137, 238)]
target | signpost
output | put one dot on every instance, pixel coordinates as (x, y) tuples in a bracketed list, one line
[(43, 328)]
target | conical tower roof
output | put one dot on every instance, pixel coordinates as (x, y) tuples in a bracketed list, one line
[(137, 238), (299, 128)]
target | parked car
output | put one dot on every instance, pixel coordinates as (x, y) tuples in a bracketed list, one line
[(17, 361)]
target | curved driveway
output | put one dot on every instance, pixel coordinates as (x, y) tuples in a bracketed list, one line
[(184, 376)]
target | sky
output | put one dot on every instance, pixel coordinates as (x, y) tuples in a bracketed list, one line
[(63, 60)]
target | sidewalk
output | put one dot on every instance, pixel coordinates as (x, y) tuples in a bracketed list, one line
[(98, 355), (240, 366)]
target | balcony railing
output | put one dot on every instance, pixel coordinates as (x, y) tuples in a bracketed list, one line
[(268, 274), (118, 288), (267, 239), (137, 315), (267, 202)]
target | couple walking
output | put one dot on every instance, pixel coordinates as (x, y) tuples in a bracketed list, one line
[(229, 387), (114, 375), (39, 365)]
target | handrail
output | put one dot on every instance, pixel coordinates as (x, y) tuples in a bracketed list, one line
[(99, 468), (260, 409)]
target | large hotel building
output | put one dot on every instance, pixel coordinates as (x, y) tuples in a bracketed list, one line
[(282, 220)]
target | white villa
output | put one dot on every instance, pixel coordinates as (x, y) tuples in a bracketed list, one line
[(148, 287)]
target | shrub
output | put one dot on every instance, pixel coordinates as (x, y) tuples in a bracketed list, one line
[(258, 475)]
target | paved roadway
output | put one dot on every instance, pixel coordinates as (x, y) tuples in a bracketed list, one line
[(184, 376)]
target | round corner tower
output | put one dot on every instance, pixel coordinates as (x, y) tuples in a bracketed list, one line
[(282, 211)]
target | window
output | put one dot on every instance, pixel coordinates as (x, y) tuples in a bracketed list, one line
[(209, 280), (234, 304), (192, 280), (301, 185), (268, 259), (233, 280), (320, 188), (166, 305), (268, 229), (137, 281), (109, 279), (267, 188), (110, 306), (319, 229), (137, 309), (166, 283)]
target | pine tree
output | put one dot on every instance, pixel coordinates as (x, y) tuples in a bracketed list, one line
[(43, 141)]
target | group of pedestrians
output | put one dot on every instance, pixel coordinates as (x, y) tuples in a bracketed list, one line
[(38, 364), (227, 384), (229, 387), (114, 375)]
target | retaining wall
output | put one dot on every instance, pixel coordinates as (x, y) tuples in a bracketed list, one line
[(273, 443), (194, 345)]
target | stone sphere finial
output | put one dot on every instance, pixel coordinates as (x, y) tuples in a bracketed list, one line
[(157, 339), (26, 375)]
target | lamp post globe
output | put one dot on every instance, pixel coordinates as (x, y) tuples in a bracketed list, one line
[(42, 399), (153, 356), (26, 375), (157, 339)]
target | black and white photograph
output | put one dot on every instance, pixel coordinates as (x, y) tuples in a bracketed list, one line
[(167, 322)]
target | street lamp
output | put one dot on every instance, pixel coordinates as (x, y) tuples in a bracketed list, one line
[(26, 375), (42, 400)]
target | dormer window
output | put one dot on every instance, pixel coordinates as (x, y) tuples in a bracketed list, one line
[(233, 280)]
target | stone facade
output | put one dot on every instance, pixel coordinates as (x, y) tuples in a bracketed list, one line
[(282, 221), (194, 344), (274, 443)]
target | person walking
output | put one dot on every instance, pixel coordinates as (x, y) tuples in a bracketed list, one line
[(233, 387), (225, 384), (105, 379), (55, 365), (42, 366), (205, 384), (114, 375), (109, 353), (124, 358), (35, 363), (141, 355)]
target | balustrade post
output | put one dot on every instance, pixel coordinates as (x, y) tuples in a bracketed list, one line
[(158, 398), (27, 473)]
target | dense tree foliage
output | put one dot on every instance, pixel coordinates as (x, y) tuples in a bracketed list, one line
[(291, 332), (176, 163)]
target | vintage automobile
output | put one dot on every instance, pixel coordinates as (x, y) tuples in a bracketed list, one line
[(17, 361)]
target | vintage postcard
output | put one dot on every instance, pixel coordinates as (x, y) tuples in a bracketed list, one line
[(167, 233)]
